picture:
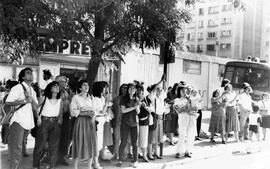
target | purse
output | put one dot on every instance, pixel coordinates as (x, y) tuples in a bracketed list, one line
[(33, 131)]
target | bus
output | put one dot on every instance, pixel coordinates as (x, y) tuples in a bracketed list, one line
[(256, 74)]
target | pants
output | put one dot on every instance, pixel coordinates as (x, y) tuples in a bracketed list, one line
[(199, 122), (16, 137), (125, 131), (65, 138), (116, 138), (49, 131), (243, 124), (25, 141), (187, 131)]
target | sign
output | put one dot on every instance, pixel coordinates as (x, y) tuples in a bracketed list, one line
[(65, 47)]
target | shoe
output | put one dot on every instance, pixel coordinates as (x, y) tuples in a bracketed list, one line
[(223, 142), (129, 156), (212, 140), (119, 164), (187, 155), (245, 138), (198, 139), (150, 157), (97, 167), (157, 156), (135, 164), (114, 158), (140, 156), (145, 159), (177, 155), (172, 143)]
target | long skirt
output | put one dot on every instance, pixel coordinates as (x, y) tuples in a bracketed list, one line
[(107, 134), (217, 122), (156, 135), (143, 136), (265, 121), (171, 122), (232, 120), (84, 138)]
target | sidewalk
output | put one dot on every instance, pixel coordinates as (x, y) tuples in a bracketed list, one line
[(203, 150)]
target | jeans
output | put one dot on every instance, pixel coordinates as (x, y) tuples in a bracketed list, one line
[(50, 131), (125, 131), (16, 137)]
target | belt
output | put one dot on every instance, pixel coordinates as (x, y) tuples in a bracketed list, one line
[(49, 118)]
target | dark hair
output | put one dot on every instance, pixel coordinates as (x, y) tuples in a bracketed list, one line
[(11, 83), (151, 88), (255, 108), (215, 93), (120, 89), (80, 83), (225, 82), (22, 74), (98, 88), (227, 86), (175, 87), (126, 99), (48, 90), (47, 73), (179, 91)]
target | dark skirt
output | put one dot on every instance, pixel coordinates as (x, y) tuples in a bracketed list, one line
[(265, 121), (171, 122), (84, 138)]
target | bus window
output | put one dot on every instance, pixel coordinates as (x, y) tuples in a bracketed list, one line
[(258, 78), (229, 73), (239, 76)]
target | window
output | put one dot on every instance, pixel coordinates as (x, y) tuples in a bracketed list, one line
[(201, 12), (200, 36), (226, 20), (212, 22), (211, 35), (210, 47), (199, 49), (191, 67), (213, 10), (267, 44), (226, 33), (200, 23), (221, 69), (225, 46), (190, 36), (227, 7)]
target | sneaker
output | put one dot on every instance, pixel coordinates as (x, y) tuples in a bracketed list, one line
[(198, 139), (187, 155), (177, 155)]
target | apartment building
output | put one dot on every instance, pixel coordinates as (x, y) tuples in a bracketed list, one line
[(218, 29)]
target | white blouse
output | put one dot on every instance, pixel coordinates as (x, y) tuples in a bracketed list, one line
[(79, 103)]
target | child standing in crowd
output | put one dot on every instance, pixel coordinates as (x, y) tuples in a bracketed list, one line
[(254, 120), (264, 105)]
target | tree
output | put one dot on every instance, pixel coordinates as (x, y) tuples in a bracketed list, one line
[(110, 27)]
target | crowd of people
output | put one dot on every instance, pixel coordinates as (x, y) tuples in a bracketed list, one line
[(131, 126)]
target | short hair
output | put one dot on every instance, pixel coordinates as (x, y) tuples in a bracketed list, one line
[(22, 74), (215, 92), (255, 108), (81, 82), (47, 72), (225, 82), (98, 88), (48, 90)]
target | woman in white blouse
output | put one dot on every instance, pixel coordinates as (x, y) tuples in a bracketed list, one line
[(84, 134), (264, 105)]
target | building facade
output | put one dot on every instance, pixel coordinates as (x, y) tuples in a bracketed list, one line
[(218, 29)]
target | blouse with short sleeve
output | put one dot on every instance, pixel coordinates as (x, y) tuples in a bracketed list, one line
[(79, 103)]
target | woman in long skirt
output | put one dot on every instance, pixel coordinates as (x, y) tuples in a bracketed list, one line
[(84, 134), (218, 117)]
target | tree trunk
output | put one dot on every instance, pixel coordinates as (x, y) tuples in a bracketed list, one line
[(92, 71)]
